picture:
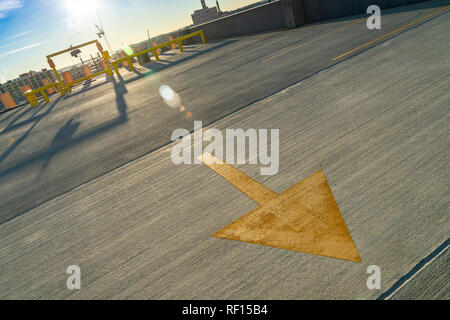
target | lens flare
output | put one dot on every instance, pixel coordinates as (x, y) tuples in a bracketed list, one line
[(128, 50), (166, 92), (170, 97)]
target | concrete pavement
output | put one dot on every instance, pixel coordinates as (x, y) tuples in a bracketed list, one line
[(426, 280), (90, 182), (76, 139)]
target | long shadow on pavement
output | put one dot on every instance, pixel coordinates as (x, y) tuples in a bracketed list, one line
[(36, 115), (62, 137), (63, 140), (16, 143)]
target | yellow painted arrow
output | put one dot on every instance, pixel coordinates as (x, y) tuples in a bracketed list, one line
[(303, 218)]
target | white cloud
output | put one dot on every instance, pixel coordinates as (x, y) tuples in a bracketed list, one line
[(20, 49), (6, 6), (18, 35)]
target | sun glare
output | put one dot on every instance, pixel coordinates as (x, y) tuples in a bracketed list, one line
[(79, 12)]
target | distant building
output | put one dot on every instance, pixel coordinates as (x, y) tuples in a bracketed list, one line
[(205, 14), (32, 78)]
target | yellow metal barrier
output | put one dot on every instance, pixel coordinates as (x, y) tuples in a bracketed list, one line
[(67, 86), (155, 50), (72, 48), (64, 87), (31, 95)]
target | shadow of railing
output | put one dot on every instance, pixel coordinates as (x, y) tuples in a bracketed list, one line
[(35, 121), (62, 137), (25, 110), (122, 117)]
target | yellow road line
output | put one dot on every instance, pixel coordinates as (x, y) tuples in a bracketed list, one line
[(269, 34), (390, 33), (235, 58), (311, 41), (259, 38)]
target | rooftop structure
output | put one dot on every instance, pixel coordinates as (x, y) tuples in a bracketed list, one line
[(205, 14)]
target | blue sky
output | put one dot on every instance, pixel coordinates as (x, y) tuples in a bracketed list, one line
[(32, 29)]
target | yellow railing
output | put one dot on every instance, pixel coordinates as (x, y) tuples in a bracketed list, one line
[(31, 95), (155, 50), (64, 87), (67, 86)]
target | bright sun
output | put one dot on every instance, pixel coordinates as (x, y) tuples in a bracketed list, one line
[(79, 11)]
